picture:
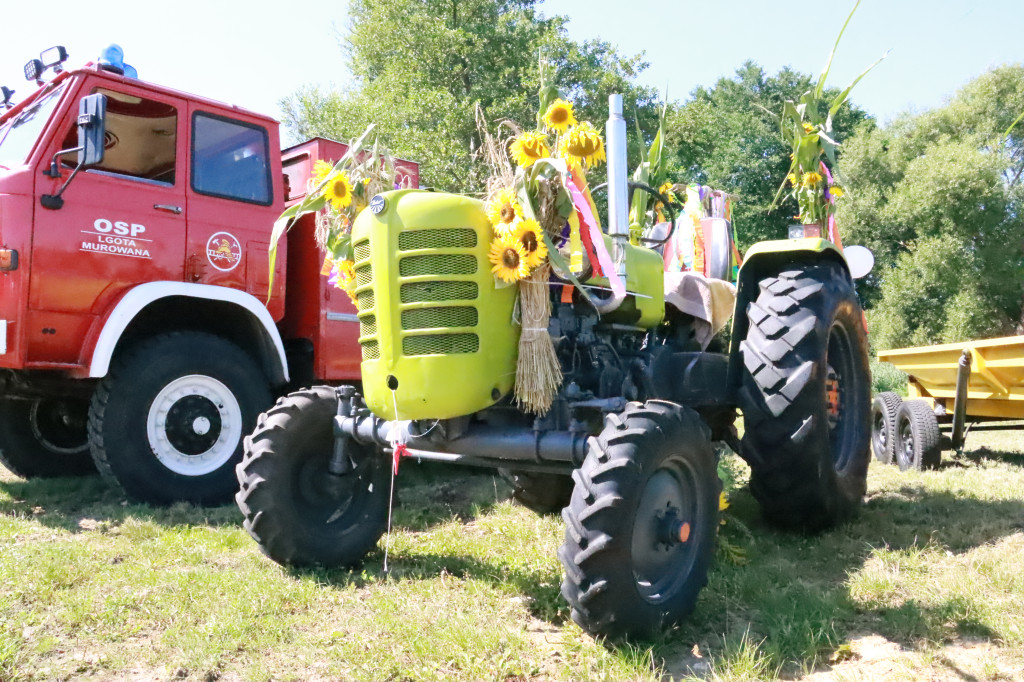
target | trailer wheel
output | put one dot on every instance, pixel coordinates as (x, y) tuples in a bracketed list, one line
[(640, 527), (541, 493), (883, 425), (45, 437), (167, 422), (805, 397), (298, 512), (919, 443)]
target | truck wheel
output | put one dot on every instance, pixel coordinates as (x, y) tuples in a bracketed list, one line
[(541, 493), (167, 422), (918, 443), (298, 512), (805, 396), (45, 437), (640, 527), (883, 425)]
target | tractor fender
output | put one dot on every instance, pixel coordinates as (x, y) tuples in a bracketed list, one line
[(269, 344), (770, 256)]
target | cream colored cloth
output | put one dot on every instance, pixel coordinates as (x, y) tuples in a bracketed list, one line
[(710, 301)]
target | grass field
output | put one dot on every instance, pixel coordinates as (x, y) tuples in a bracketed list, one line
[(928, 583)]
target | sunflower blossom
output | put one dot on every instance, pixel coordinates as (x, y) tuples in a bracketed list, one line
[(836, 191), (582, 146), (503, 209), (528, 233), (808, 128), (508, 259), (529, 147), (338, 190), (321, 169), (811, 179), (559, 116), (666, 191)]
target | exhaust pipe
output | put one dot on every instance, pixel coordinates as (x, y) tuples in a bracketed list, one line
[(618, 199)]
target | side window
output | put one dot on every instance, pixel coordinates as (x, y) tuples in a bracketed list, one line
[(141, 137), (230, 159)]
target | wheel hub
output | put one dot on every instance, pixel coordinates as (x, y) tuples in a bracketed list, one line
[(832, 397), (194, 425)]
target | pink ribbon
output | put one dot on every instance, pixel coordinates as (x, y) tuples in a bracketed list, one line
[(590, 224)]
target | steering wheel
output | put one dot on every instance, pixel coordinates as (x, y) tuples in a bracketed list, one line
[(633, 186)]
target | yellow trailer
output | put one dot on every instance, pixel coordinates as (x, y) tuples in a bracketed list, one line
[(952, 383)]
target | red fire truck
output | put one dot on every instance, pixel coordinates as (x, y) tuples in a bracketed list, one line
[(137, 332)]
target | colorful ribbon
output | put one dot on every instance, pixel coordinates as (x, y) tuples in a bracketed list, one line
[(588, 224)]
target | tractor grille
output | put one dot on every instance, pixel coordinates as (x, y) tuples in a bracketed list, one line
[(365, 301), (445, 290), (371, 351), (368, 325), (433, 318), (364, 275), (462, 238), (439, 264), (361, 251), (428, 292), (441, 344)]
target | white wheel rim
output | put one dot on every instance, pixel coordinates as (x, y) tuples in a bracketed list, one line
[(223, 442)]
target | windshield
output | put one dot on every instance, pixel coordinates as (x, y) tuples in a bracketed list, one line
[(18, 136)]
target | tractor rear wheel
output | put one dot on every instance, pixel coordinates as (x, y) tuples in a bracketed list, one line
[(45, 437), (805, 396), (883, 425), (541, 493), (918, 440), (299, 512), (640, 527)]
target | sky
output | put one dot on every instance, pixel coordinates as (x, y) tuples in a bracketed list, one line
[(254, 53)]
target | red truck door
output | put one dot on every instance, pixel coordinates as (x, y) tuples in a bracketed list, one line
[(122, 223), (231, 203)]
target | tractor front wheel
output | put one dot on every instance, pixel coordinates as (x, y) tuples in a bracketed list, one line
[(640, 527), (299, 512)]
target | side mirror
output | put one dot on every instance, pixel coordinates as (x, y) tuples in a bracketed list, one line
[(92, 129), (92, 132)]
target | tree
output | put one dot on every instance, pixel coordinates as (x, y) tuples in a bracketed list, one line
[(727, 136), (938, 199), (421, 68)]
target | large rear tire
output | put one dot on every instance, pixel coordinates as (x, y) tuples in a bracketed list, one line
[(45, 437), (167, 422), (541, 493), (640, 527), (298, 512), (883, 425), (805, 396)]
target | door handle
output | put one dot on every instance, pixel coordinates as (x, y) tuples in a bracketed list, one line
[(176, 210)]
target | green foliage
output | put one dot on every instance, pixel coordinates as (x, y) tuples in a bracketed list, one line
[(727, 136), (885, 377), (422, 67), (938, 199)]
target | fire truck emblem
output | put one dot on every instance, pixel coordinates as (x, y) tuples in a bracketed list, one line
[(223, 251)]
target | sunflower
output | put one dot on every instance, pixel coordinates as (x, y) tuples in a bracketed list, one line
[(528, 233), (582, 146), (811, 179), (529, 147), (559, 116), (503, 209), (808, 128), (338, 190), (508, 258), (836, 191), (792, 179), (666, 191), (321, 169)]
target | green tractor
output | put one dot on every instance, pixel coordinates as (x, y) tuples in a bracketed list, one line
[(626, 450)]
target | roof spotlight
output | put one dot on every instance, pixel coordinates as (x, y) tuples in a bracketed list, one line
[(54, 56)]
